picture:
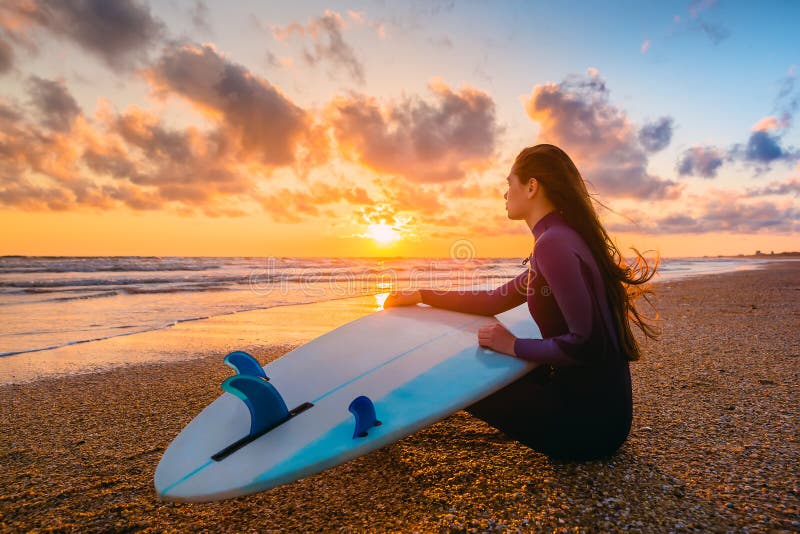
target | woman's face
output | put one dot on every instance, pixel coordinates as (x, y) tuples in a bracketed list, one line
[(517, 197)]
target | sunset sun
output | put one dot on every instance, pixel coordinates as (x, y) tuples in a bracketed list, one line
[(383, 233)]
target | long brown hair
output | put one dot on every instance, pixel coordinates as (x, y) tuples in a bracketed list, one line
[(625, 282)]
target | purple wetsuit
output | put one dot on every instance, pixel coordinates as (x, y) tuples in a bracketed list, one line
[(577, 403)]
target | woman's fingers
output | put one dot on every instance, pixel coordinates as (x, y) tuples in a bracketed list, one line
[(485, 335), (402, 298)]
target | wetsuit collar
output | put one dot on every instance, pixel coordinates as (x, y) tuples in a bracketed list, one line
[(551, 219)]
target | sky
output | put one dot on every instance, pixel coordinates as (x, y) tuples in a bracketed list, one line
[(377, 128)]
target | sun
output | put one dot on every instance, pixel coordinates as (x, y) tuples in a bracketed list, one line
[(382, 233)]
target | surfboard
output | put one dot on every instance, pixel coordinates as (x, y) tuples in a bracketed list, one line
[(353, 390)]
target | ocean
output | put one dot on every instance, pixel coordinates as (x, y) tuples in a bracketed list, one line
[(51, 302)]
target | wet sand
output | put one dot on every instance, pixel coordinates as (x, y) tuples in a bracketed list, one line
[(714, 445)]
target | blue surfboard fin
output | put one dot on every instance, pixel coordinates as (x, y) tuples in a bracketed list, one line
[(244, 364), (364, 412), (267, 408)]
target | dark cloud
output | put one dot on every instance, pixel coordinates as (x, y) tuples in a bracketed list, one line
[(327, 43), (6, 56), (255, 114), (421, 140), (119, 32), (765, 148), (656, 135), (54, 103), (701, 161), (577, 115)]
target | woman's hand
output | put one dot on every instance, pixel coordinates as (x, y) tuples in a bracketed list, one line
[(407, 297), (497, 338)]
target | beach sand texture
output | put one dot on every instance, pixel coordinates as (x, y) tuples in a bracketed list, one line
[(714, 445)]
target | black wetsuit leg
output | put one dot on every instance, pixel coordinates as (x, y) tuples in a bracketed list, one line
[(535, 411)]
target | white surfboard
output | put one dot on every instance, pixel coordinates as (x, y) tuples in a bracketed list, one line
[(415, 364)]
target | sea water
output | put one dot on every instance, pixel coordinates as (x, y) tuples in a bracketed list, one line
[(51, 302)]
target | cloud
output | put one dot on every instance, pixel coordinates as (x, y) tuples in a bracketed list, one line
[(53, 102), (764, 145), (763, 148), (421, 140), (656, 135), (702, 161), (129, 160), (118, 32), (6, 56), (255, 114), (327, 42), (199, 14), (577, 115), (716, 32), (296, 205), (766, 124), (133, 159), (645, 46), (789, 187), (722, 212), (788, 100)]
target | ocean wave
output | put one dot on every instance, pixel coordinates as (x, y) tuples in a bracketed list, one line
[(83, 297), (68, 264), (42, 286)]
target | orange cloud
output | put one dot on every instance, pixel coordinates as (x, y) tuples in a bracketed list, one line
[(423, 141), (766, 124)]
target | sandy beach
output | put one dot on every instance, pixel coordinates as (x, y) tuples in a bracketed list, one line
[(714, 444)]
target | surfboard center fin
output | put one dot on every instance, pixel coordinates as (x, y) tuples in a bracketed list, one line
[(267, 409), (244, 364), (364, 412)]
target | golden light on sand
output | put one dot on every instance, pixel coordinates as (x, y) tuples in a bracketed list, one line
[(382, 233), (380, 298)]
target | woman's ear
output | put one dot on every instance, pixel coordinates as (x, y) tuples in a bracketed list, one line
[(533, 187)]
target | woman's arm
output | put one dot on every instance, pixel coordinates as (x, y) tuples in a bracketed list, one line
[(480, 302)]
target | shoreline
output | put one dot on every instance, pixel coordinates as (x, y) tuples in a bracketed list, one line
[(713, 445)]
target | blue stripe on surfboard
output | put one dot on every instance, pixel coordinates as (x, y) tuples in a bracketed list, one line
[(337, 388), (186, 477), (441, 385), (397, 357)]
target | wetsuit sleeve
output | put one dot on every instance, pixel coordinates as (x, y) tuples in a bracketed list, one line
[(561, 267), (480, 302)]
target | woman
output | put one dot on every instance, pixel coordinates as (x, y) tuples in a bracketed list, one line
[(576, 405)]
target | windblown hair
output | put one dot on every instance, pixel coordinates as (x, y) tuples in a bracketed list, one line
[(625, 282)]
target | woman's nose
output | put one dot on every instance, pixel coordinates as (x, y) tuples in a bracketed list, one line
[(505, 195)]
